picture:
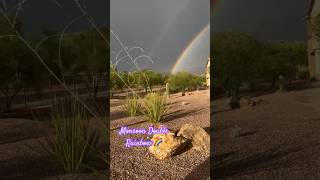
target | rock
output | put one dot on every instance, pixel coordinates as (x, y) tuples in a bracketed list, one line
[(251, 102), (185, 103), (235, 131), (257, 102), (167, 145), (199, 137)]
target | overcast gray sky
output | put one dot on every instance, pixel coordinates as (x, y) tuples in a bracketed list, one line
[(264, 19), (37, 15), (164, 28)]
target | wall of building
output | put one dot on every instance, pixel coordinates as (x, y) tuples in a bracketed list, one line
[(208, 73), (313, 45)]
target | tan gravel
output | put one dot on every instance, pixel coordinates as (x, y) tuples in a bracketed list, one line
[(279, 140), (138, 163)]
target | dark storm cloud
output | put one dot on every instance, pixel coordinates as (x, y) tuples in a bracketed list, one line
[(37, 15), (163, 28), (264, 19)]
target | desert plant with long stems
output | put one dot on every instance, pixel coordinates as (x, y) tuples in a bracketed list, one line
[(60, 125), (132, 106), (73, 140), (155, 105)]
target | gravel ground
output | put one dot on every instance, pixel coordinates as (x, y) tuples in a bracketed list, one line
[(21, 157), (138, 163), (279, 140)]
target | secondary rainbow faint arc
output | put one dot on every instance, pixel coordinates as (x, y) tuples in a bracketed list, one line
[(185, 51)]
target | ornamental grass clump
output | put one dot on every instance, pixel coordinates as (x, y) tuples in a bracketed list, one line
[(155, 105), (132, 106), (73, 142)]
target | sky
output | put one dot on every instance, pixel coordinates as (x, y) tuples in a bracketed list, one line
[(270, 20), (54, 15), (164, 29)]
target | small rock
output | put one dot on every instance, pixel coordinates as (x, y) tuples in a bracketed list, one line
[(185, 103), (235, 131), (199, 137)]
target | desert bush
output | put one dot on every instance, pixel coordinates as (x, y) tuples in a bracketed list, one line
[(184, 80), (155, 107), (131, 106), (73, 142)]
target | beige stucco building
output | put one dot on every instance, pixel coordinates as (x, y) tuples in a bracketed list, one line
[(208, 73), (313, 45)]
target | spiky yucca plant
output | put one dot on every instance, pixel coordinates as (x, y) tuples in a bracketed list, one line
[(132, 106), (73, 141), (155, 105)]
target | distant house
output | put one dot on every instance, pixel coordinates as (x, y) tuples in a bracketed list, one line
[(313, 45), (208, 73)]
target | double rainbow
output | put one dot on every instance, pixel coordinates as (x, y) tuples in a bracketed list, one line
[(188, 48)]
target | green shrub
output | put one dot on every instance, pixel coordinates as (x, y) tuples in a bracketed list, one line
[(182, 81), (155, 107), (73, 142), (132, 106)]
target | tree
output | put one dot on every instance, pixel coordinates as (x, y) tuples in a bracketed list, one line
[(181, 81), (84, 54), (18, 66), (234, 56), (199, 80), (239, 58), (146, 79), (115, 79)]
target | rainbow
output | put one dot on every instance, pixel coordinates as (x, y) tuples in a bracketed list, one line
[(158, 141), (185, 51), (166, 28)]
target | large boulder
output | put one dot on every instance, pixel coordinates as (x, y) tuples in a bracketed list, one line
[(167, 145), (199, 137)]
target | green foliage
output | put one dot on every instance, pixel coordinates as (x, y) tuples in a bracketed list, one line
[(147, 79), (239, 58), (234, 54), (155, 105), (18, 66), (115, 79), (199, 80), (81, 53), (185, 80), (132, 106), (73, 142)]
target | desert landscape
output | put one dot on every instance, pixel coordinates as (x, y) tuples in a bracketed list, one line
[(139, 163), (276, 139)]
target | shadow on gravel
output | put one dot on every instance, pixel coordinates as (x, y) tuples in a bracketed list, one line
[(175, 116), (221, 111), (117, 115), (224, 166), (28, 168), (248, 133), (200, 172)]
